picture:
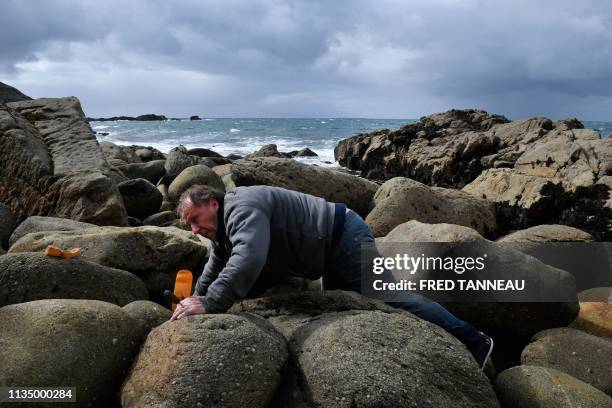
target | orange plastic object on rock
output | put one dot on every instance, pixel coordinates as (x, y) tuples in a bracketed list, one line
[(182, 285), (60, 253)]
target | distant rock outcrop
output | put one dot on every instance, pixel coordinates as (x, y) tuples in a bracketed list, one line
[(147, 117)]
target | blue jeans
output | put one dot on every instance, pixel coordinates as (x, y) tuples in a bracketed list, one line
[(344, 273)]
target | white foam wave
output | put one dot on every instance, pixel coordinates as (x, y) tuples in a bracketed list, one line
[(232, 130)]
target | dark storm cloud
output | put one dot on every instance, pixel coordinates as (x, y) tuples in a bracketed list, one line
[(320, 58)]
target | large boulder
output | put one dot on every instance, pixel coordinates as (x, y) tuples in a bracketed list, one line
[(161, 219), (51, 164), (7, 225), (148, 314), (547, 233), (198, 174), (349, 349), (33, 276), (37, 223), (525, 200), (541, 387), (415, 231), (10, 94), (579, 354), (152, 171), (155, 254), (332, 185), (85, 344), (373, 358), (207, 360), (141, 198), (595, 318), (401, 199), (179, 159)]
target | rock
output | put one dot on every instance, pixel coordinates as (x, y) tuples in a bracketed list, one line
[(146, 117), (212, 360), (594, 318), (37, 223), (7, 224), (540, 387), (125, 154), (33, 276), (400, 199), (202, 152), (306, 152), (154, 254), (372, 358), (269, 150), (443, 149), (525, 200), (141, 198), (51, 164), (547, 233), (178, 160), (86, 344), (195, 117), (148, 314), (152, 171), (199, 174), (579, 354), (135, 222), (10, 94), (332, 185), (161, 219), (415, 231), (308, 303)]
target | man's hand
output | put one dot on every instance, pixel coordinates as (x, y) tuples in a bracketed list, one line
[(188, 306)]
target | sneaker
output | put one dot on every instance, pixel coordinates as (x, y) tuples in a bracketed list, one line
[(483, 351)]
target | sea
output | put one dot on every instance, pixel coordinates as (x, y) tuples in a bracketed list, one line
[(246, 135)]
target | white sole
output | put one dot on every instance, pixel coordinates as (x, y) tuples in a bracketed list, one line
[(484, 363)]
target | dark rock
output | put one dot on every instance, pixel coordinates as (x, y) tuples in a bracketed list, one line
[(152, 171), (148, 314), (87, 344), (10, 94), (141, 198), (234, 157), (269, 150), (51, 164), (400, 199), (134, 222), (332, 185), (32, 276), (178, 160), (38, 224), (203, 152), (579, 354), (195, 117), (213, 360), (103, 133), (8, 223), (161, 219), (199, 174), (147, 117), (154, 254), (541, 387), (443, 149), (306, 152)]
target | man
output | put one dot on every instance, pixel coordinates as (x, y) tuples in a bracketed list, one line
[(261, 233)]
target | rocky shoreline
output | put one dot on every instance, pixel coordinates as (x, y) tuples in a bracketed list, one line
[(99, 322)]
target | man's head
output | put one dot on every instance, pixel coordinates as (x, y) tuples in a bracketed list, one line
[(198, 207)]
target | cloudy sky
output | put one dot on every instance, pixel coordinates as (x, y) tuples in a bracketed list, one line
[(380, 58)]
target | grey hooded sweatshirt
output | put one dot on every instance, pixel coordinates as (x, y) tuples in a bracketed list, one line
[(264, 230)]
